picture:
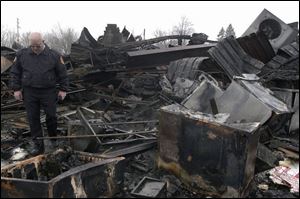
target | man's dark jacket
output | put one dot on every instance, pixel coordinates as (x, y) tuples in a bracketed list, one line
[(38, 71)]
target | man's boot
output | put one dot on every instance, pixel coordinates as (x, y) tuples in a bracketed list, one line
[(54, 143), (38, 147), (50, 145)]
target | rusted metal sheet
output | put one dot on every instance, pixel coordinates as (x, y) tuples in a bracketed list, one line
[(98, 177), (209, 156), (138, 148), (164, 56)]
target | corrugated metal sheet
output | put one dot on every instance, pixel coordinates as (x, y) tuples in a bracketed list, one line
[(233, 59), (185, 68)]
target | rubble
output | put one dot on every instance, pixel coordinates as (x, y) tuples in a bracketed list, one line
[(150, 188), (62, 174), (210, 119), (7, 56), (287, 174)]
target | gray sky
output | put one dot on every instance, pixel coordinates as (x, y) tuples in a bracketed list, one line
[(207, 17)]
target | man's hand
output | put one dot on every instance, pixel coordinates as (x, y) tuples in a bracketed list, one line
[(62, 95), (18, 95)]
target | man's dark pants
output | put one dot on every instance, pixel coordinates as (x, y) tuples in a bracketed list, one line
[(34, 100)]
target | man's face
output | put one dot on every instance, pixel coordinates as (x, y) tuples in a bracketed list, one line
[(37, 45)]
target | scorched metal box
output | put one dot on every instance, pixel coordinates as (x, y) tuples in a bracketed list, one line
[(207, 155)]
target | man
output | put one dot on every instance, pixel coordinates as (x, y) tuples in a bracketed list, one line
[(35, 73)]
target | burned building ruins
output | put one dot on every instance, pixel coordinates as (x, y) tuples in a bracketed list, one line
[(208, 119)]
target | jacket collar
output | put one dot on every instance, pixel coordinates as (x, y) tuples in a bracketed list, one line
[(44, 52)]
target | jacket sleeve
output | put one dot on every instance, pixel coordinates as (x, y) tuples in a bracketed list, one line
[(61, 73), (16, 73)]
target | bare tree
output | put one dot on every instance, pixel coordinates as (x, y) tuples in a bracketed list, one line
[(184, 27), (61, 39), (161, 33), (53, 42), (24, 39), (7, 37)]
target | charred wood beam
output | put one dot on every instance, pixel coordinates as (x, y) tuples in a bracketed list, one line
[(86, 123), (122, 99), (133, 149), (89, 110), (11, 105), (129, 45), (143, 58), (100, 122), (266, 155), (67, 114), (285, 89), (114, 95), (90, 103), (276, 144), (76, 91), (128, 141), (97, 135)]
